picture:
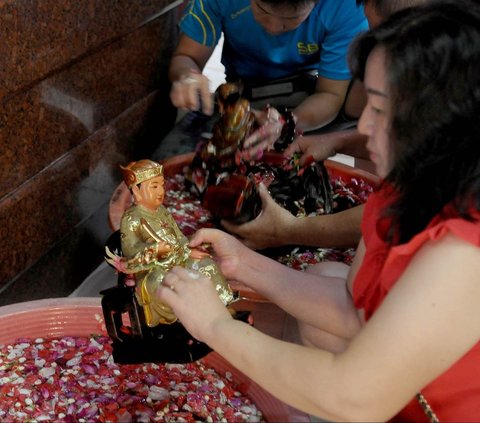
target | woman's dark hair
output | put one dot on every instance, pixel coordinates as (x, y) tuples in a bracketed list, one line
[(433, 73)]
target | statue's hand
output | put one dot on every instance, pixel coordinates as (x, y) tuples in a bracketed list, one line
[(163, 248)]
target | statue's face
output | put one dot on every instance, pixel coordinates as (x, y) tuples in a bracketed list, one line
[(150, 194)]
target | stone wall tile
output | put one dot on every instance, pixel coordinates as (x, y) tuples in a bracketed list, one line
[(38, 126), (41, 36)]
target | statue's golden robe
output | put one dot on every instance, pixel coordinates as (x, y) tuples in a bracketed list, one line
[(142, 231)]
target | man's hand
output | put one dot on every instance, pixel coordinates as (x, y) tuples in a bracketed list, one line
[(271, 123), (191, 91), (269, 229)]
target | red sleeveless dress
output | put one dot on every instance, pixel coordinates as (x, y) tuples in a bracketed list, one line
[(454, 395)]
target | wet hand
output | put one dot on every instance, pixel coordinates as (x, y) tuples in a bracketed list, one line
[(191, 92), (194, 300), (312, 148), (271, 123), (228, 251), (269, 229)]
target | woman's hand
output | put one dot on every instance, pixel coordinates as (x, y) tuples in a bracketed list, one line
[(198, 254), (271, 123), (191, 91), (313, 147), (228, 251), (194, 300), (269, 229), (322, 146)]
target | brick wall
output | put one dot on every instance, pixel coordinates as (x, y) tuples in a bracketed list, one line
[(83, 87)]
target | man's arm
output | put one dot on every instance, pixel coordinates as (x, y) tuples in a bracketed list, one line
[(356, 100), (189, 55), (185, 73), (314, 112), (323, 106)]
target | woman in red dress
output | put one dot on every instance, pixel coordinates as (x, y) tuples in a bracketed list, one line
[(399, 337)]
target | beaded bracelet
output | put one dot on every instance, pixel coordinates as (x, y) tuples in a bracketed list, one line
[(289, 129)]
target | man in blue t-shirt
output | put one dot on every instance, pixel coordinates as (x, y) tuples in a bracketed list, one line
[(264, 41)]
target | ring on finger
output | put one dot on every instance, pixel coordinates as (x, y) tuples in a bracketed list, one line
[(171, 284), (193, 275), (189, 80)]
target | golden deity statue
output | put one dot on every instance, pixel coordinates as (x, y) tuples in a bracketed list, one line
[(152, 243)]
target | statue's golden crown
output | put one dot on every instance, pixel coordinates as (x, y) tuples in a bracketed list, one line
[(143, 170)]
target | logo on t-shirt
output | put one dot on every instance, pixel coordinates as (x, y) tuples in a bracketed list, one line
[(306, 49), (239, 12)]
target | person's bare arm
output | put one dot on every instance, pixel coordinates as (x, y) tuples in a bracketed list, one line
[(397, 353), (338, 230), (275, 227), (322, 146), (322, 302), (315, 111), (323, 106), (356, 100), (185, 72)]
